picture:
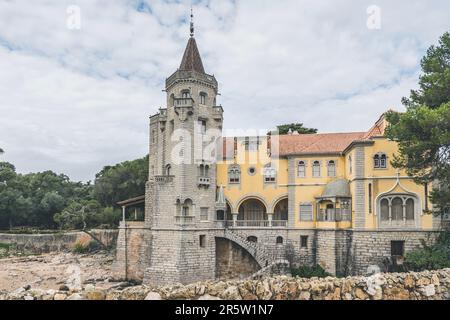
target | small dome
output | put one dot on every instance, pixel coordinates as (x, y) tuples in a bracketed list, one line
[(337, 188)]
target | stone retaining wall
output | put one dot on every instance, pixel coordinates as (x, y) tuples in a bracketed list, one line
[(41, 243), (427, 285)]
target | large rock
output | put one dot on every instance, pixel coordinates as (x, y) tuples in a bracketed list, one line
[(95, 294), (153, 296)]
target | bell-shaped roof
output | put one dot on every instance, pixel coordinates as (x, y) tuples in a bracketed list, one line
[(339, 188)]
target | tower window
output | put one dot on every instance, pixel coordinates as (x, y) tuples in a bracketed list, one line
[(203, 98), (280, 240), (202, 126), (204, 214), (185, 94), (202, 240)]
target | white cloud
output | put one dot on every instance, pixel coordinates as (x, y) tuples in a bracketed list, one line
[(75, 100)]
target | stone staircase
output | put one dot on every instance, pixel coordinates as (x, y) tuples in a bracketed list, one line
[(278, 267)]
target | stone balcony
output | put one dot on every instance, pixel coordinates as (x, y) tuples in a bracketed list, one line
[(183, 220), (164, 179)]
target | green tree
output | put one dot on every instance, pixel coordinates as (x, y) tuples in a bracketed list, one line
[(122, 181), (285, 128), (14, 207), (423, 131)]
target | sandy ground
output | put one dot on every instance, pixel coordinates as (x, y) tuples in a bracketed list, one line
[(53, 270)]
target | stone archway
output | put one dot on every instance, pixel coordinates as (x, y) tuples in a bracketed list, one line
[(233, 261)]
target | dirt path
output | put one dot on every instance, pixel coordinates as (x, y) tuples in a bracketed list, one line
[(52, 270)]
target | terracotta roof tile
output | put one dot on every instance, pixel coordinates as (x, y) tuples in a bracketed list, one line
[(317, 143)]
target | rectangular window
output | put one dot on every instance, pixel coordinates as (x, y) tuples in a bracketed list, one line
[(202, 126), (202, 240), (397, 248), (202, 99), (204, 214), (303, 241), (301, 169), (306, 212), (316, 169), (185, 211)]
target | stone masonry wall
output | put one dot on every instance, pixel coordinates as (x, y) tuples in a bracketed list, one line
[(427, 285), (41, 243)]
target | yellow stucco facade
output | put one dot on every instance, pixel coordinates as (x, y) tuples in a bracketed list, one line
[(303, 179)]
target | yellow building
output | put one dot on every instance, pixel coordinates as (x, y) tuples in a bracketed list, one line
[(314, 185)]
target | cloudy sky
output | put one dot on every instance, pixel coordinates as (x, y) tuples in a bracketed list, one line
[(73, 100)]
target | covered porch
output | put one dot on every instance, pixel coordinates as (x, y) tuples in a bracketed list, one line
[(253, 213)]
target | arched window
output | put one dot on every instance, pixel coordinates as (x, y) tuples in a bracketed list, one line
[(316, 169), (252, 239), (279, 240), (380, 161), (301, 171), (397, 209), (270, 173), (202, 98), (383, 162), (384, 208), (185, 94), (409, 209), (376, 161), (331, 168), (234, 174), (168, 170)]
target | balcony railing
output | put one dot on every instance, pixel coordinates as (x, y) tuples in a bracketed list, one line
[(279, 223), (164, 179), (251, 223), (334, 215), (183, 102), (184, 219)]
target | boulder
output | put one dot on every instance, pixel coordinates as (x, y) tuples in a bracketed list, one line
[(153, 296)]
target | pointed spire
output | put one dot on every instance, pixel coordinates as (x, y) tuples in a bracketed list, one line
[(191, 58)]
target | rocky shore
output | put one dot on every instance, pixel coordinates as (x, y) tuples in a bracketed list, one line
[(427, 285)]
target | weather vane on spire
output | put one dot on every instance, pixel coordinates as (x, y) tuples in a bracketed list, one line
[(192, 22)]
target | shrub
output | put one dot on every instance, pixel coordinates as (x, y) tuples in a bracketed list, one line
[(430, 257), (80, 248), (309, 272)]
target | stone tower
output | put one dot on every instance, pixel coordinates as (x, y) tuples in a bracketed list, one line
[(181, 191)]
